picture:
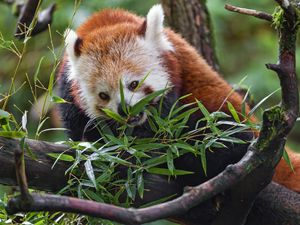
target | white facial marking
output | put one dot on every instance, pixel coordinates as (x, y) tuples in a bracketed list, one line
[(155, 29)]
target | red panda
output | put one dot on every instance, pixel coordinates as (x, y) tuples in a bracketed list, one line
[(115, 45)]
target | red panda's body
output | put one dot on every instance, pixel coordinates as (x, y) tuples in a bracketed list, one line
[(116, 45)]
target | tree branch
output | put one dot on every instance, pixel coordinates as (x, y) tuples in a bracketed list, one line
[(250, 12), (27, 12), (38, 164)]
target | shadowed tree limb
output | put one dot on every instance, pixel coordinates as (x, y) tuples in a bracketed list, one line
[(39, 171)]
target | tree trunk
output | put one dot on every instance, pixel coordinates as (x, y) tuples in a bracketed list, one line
[(191, 19)]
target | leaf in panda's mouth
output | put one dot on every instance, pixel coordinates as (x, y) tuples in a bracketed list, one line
[(113, 115), (140, 105)]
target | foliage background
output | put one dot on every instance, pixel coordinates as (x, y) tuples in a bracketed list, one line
[(244, 44)]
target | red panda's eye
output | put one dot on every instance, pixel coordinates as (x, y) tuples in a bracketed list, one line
[(133, 85), (104, 96)]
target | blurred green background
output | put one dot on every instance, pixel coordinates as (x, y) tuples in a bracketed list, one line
[(243, 44)]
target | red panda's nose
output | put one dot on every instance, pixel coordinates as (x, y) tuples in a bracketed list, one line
[(121, 111)]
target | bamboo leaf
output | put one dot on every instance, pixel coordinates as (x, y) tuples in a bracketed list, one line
[(4, 114), (288, 160), (139, 106), (113, 115), (57, 99), (233, 112), (164, 171), (62, 157), (90, 172)]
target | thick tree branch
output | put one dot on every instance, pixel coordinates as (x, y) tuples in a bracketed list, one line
[(277, 123), (38, 164)]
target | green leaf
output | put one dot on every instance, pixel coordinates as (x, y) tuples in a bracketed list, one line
[(288, 160), (51, 82), (139, 106), (12, 134), (57, 99), (203, 110), (24, 121), (203, 158), (149, 146), (155, 161), (114, 140), (233, 112), (62, 157), (170, 162), (219, 115), (261, 102), (143, 80), (140, 184), (93, 196), (35, 77), (185, 146), (4, 114), (113, 115), (90, 172), (232, 140), (117, 160), (164, 171), (123, 98)]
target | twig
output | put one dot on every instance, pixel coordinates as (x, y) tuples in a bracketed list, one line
[(25, 196), (250, 12)]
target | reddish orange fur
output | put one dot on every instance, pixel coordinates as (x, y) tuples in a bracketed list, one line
[(189, 72)]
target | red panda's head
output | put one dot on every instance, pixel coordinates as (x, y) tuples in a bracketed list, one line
[(124, 52)]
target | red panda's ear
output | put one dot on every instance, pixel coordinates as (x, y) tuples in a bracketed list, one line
[(142, 29), (73, 44), (154, 29)]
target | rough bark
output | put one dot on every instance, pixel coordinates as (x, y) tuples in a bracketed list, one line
[(39, 171)]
